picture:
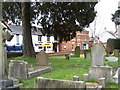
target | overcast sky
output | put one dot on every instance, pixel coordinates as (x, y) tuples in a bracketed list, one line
[(104, 10)]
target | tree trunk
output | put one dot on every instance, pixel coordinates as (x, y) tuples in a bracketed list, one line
[(27, 38)]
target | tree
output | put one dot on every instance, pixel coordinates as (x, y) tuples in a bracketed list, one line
[(27, 39), (64, 19), (13, 11), (116, 19)]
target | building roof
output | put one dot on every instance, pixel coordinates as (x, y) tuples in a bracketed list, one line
[(19, 30)]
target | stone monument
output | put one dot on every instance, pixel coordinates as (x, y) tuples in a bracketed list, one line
[(18, 69), (5, 83), (42, 59), (97, 70), (98, 53)]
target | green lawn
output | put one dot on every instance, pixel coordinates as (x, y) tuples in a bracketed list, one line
[(64, 69)]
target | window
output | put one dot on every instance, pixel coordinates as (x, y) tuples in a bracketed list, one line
[(78, 36), (48, 38), (48, 46), (40, 38), (72, 45), (85, 37), (17, 39), (40, 47)]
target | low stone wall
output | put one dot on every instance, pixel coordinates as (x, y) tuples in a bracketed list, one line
[(38, 72), (56, 84), (97, 72)]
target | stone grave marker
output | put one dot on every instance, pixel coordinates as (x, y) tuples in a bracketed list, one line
[(18, 69), (116, 52), (87, 54), (98, 53), (112, 59), (42, 59), (5, 35), (97, 72)]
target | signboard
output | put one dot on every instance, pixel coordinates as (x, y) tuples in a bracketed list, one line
[(47, 44)]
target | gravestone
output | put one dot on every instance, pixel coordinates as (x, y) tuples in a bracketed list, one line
[(42, 59), (18, 69), (88, 56), (116, 52), (5, 82), (97, 72), (102, 82), (98, 53), (112, 59), (75, 78)]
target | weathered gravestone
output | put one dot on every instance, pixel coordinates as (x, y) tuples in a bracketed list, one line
[(18, 69), (42, 59), (87, 54), (97, 72), (112, 59), (116, 52), (5, 34), (98, 53)]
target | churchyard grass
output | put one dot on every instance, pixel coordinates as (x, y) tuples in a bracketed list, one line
[(30, 60), (112, 64), (63, 69), (111, 85)]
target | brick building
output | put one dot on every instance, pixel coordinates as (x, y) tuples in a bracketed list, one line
[(81, 39)]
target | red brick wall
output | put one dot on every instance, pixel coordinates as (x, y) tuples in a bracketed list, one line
[(68, 46), (80, 38)]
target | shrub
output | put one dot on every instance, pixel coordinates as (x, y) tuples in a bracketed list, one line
[(113, 44), (77, 51)]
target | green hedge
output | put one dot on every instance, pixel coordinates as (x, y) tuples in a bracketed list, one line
[(113, 44), (77, 51)]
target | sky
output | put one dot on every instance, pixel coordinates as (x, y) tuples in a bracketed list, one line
[(103, 20)]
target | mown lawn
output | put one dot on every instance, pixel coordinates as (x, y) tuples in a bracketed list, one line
[(64, 69)]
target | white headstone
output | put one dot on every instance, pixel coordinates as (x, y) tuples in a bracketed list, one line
[(98, 53), (112, 59)]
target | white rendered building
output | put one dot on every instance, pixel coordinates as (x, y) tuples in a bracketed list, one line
[(47, 43)]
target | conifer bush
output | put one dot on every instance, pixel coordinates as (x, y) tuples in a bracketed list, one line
[(77, 51)]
